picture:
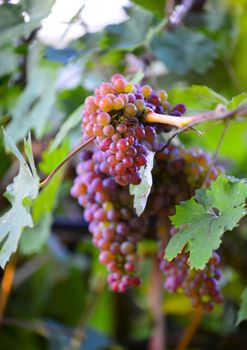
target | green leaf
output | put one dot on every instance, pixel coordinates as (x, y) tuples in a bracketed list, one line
[(239, 52), (12, 21), (130, 34), (34, 106), (103, 318), (10, 16), (73, 120), (206, 95), (242, 314), (8, 61), (33, 239), (20, 194), (8, 97), (156, 6), (37, 9), (185, 50), (70, 99), (197, 97), (141, 191), (204, 218), (237, 101)]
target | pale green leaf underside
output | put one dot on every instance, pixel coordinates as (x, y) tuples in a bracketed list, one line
[(20, 194), (141, 191), (34, 106), (34, 239)]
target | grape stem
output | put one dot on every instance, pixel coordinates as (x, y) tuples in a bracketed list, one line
[(6, 285), (78, 335), (65, 160), (205, 182), (190, 330), (220, 113), (158, 337)]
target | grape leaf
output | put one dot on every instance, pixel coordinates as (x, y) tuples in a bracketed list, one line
[(73, 120), (34, 238), (10, 59), (185, 50), (20, 194), (141, 191), (125, 36), (12, 22), (207, 95), (205, 217), (242, 313), (196, 97), (35, 104), (237, 101), (10, 16)]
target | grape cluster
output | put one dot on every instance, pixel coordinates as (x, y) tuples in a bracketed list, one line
[(112, 222), (199, 285), (116, 229), (185, 171), (114, 115)]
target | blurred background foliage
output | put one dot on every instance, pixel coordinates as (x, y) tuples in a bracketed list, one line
[(59, 298)]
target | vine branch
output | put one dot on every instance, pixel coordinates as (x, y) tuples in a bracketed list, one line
[(190, 330), (78, 335), (158, 338), (216, 152), (6, 285), (182, 123), (186, 123), (65, 160)]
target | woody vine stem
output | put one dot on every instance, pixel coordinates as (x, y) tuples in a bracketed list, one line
[(181, 123)]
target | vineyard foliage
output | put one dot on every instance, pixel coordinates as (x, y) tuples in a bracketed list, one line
[(201, 63)]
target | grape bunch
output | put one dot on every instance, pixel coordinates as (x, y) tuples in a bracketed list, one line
[(185, 171), (112, 222), (116, 230), (199, 285), (114, 116)]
